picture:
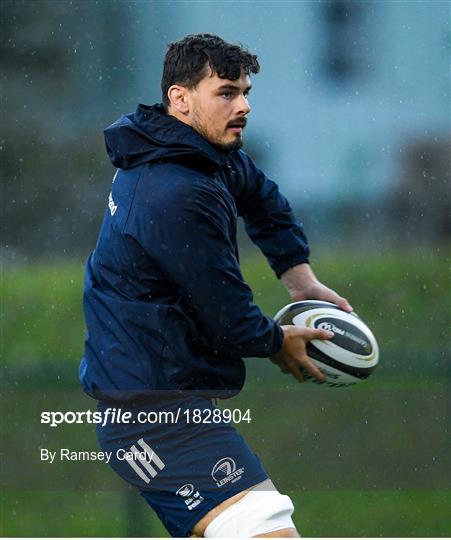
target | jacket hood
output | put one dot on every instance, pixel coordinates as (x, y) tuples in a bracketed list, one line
[(150, 134)]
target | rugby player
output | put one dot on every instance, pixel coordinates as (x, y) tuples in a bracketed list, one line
[(169, 316)]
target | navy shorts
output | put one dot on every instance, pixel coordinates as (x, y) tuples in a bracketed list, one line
[(182, 467)]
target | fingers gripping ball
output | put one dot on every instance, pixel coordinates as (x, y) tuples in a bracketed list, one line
[(347, 358)]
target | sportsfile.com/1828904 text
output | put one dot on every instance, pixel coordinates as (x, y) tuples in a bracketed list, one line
[(114, 415)]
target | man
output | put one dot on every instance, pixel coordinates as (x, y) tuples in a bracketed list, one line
[(168, 313)]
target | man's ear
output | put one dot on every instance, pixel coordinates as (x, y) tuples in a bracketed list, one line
[(178, 98)]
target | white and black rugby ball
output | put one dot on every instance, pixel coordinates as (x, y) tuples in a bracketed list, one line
[(347, 358)]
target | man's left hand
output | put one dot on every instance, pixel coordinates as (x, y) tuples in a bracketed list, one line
[(302, 284)]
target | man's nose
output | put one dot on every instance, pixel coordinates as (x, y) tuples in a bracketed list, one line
[(243, 106)]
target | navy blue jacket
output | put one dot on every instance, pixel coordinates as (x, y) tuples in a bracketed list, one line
[(165, 302)]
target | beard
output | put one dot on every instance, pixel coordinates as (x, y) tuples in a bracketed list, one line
[(221, 147), (228, 147)]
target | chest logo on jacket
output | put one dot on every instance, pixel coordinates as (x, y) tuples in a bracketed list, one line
[(111, 205)]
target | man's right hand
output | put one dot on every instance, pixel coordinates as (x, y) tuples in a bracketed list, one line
[(292, 357)]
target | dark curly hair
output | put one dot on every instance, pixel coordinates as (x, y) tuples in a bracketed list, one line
[(186, 61)]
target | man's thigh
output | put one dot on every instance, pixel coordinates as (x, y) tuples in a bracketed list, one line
[(260, 511), (199, 528), (183, 469)]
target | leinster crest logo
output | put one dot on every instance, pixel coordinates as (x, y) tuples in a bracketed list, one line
[(225, 471)]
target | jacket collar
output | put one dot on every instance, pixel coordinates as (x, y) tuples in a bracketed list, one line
[(172, 133)]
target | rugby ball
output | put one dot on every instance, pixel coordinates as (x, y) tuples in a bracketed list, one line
[(347, 358)]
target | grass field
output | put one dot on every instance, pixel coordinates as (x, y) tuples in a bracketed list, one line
[(42, 310), (369, 461), (332, 513)]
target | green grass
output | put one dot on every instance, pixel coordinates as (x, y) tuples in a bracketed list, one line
[(41, 313), (373, 513), (41, 513), (403, 296), (317, 514)]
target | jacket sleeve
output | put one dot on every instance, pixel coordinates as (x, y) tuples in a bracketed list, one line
[(190, 239), (269, 219)]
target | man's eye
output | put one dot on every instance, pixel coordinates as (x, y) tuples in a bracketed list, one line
[(227, 95)]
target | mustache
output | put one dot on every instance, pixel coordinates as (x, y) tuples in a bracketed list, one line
[(239, 122)]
